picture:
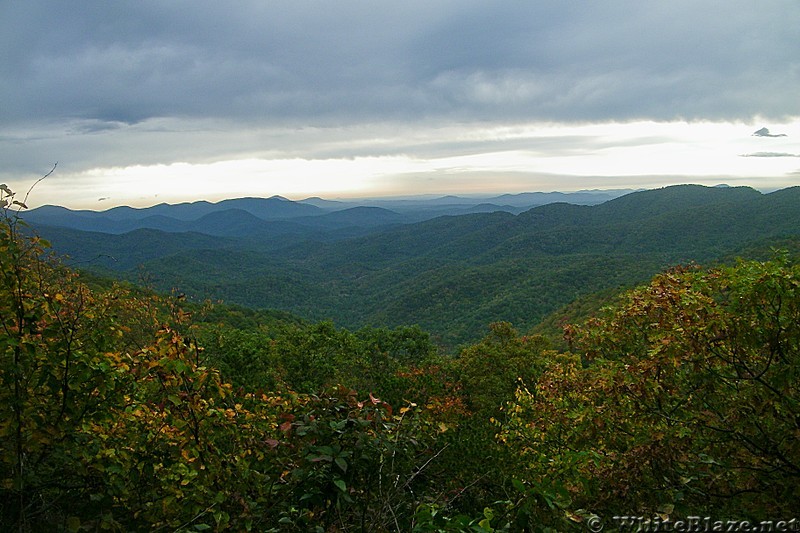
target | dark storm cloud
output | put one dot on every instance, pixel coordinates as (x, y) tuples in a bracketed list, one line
[(124, 62)]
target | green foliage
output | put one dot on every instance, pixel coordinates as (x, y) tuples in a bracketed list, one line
[(116, 422), (492, 369), (312, 357), (57, 373), (355, 463), (687, 400), (128, 411)]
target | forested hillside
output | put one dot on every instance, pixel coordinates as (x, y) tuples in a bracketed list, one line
[(451, 274), (131, 411)]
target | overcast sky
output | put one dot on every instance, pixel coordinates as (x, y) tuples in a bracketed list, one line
[(142, 102)]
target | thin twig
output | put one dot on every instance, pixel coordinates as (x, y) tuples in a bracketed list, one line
[(420, 469), (25, 201)]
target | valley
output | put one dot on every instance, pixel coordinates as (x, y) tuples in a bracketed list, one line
[(450, 274)]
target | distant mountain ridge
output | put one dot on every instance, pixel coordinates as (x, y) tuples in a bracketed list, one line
[(194, 216), (450, 274)]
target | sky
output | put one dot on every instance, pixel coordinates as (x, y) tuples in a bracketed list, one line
[(143, 102)]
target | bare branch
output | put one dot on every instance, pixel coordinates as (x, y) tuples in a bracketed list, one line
[(25, 201)]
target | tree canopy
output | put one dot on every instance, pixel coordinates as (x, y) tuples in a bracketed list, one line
[(127, 411)]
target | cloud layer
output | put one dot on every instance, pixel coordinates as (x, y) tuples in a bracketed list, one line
[(124, 62), (126, 83)]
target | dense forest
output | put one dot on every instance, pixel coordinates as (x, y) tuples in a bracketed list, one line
[(660, 391), (451, 275)]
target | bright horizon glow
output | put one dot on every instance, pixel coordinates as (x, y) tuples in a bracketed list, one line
[(455, 160)]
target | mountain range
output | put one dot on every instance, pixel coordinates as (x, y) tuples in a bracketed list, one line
[(450, 273), (277, 215)]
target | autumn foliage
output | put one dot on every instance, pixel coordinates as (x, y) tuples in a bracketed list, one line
[(682, 399), (122, 412)]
